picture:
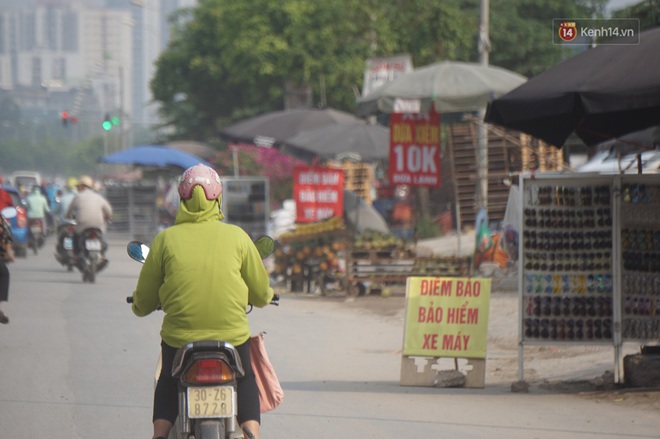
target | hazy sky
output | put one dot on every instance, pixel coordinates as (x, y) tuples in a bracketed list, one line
[(618, 4)]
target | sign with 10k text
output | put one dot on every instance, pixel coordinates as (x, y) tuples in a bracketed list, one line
[(415, 149)]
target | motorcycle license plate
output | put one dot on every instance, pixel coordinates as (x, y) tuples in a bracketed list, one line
[(93, 244), (211, 402), (36, 230), (68, 243)]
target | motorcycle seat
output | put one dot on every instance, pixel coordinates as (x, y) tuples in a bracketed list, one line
[(227, 350)]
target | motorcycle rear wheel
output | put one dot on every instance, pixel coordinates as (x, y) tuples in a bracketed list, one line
[(210, 429), (91, 274)]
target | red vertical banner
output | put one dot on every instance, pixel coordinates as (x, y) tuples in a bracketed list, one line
[(415, 149), (318, 192)]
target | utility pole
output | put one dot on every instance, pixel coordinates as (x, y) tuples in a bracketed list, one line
[(122, 117), (482, 133)]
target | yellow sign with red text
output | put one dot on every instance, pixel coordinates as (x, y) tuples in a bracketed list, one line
[(446, 317)]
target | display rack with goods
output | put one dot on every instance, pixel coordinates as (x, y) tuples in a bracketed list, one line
[(640, 247), (567, 256), (589, 260)]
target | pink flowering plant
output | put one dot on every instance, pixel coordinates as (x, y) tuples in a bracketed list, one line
[(264, 162)]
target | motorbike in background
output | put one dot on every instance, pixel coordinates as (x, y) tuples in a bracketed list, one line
[(36, 234), (207, 372), (64, 252), (91, 254)]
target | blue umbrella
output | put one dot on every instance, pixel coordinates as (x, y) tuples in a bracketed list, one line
[(153, 155)]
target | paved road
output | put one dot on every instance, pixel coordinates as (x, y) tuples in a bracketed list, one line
[(75, 363)]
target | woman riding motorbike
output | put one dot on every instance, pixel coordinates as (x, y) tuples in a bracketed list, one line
[(203, 273)]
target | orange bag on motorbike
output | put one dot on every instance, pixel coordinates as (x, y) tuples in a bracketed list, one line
[(270, 391)]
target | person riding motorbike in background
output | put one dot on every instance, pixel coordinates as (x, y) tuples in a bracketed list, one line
[(89, 209), (49, 190), (66, 199), (37, 207), (63, 207), (203, 273)]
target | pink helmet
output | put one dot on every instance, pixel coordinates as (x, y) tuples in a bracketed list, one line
[(201, 175)]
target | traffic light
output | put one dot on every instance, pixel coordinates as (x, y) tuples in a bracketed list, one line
[(107, 122), (64, 116)]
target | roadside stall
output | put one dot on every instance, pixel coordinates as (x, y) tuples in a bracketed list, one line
[(589, 261), (341, 243), (311, 253), (377, 261)]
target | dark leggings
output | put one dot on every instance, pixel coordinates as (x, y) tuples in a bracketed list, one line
[(4, 282), (166, 400)]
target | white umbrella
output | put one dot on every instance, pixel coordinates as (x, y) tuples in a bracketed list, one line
[(452, 87)]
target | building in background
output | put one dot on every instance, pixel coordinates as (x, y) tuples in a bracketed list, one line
[(83, 59), (151, 34)]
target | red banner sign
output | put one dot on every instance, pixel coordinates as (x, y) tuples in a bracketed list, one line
[(415, 149), (319, 193)]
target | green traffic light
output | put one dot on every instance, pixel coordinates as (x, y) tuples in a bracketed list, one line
[(107, 125), (114, 120)]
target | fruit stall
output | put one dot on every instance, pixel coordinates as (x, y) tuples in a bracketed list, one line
[(327, 256), (311, 255)]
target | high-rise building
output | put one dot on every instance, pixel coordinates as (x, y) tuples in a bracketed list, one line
[(89, 57), (151, 33), (81, 54)]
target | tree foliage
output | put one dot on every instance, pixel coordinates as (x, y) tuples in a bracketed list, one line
[(648, 12), (521, 32), (231, 60)]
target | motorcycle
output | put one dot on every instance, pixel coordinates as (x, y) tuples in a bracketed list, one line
[(91, 256), (64, 254), (36, 234), (207, 372)]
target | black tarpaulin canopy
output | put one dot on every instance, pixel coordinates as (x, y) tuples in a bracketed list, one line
[(599, 94)]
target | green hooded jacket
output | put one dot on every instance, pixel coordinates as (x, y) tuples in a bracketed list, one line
[(204, 273)]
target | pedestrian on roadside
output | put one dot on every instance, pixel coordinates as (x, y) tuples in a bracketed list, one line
[(6, 256), (5, 198)]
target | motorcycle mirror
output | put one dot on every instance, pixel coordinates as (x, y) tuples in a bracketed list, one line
[(265, 245), (9, 212), (137, 251)]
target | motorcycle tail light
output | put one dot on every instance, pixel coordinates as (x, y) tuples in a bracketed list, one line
[(21, 218), (208, 371), (21, 221), (92, 235), (70, 229)]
